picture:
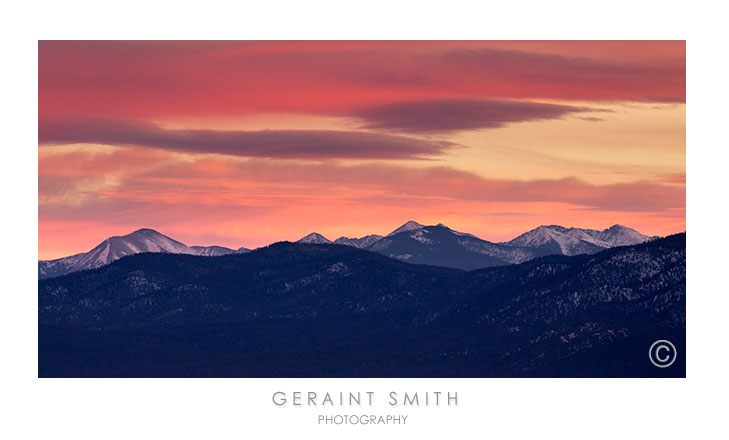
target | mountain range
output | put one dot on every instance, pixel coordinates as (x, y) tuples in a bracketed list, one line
[(114, 248), (314, 310), (412, 242)]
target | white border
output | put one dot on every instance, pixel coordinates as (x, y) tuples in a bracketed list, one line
[(614, 408)]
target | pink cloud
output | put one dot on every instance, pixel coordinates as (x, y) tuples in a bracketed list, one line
[(167, 80), (313, 144), (445, 115)]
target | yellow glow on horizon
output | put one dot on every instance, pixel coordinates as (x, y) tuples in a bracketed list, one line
[(634, 142)]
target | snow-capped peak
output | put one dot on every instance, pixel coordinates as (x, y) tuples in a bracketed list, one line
[(544, 240), (314, 238), (409, 226), (619, 235), (360, 243), (573, 241), (141, 240), (116, 247)]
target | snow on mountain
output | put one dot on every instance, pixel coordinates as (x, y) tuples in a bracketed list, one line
[(359, 243), (574, 241), (210, 251), (369, 240), (114, 248), (539, 236), (557, 240), (421, 235), (314, 238), (437, 245), (409, 226), (619, 235), (441, 246)]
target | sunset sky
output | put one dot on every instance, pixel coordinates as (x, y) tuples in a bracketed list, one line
[(247, 143)]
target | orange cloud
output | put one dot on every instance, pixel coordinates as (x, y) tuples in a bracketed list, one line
[(168, 80), (245, 143), (254, 202)]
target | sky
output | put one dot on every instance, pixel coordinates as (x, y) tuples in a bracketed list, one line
[(247, 143)]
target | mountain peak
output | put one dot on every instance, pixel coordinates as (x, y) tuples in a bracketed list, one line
[(314, 238), (144, 231), (553, 228), (573, 241), (116, 247), (619, 235), (436, 245), (408, 226), (619, 227), (360, 243)]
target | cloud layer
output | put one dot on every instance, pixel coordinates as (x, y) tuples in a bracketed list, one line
[(85, 197), (306, 144), (261, 141), (166, 80), (247, 178), (446, 115)]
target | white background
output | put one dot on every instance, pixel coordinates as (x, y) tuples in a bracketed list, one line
[(242, 408)]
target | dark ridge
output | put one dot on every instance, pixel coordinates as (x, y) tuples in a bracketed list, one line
[(316, 310)]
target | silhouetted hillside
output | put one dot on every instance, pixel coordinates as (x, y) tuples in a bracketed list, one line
[(333, 311)]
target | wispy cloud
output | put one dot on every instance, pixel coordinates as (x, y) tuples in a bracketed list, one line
[(219, 179), (163, 80), (306, 144), (446, 115)]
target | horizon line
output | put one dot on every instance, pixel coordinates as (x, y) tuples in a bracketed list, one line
[(345, 237)]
